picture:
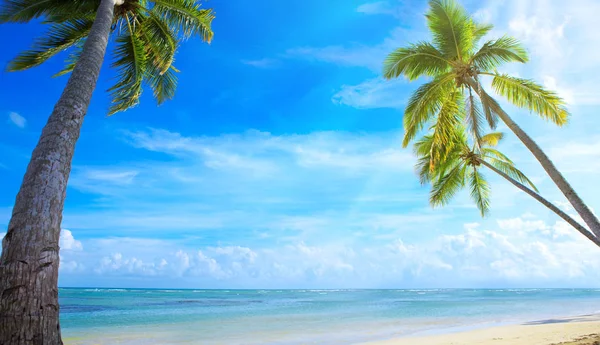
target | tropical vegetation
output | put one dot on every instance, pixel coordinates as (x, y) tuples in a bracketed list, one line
[(456, 62), (462, 168)]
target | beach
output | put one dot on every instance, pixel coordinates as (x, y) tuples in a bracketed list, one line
[(328, 317), (582, 330)]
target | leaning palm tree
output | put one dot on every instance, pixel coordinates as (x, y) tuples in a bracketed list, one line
[(456, 61), (146, 35), (461, 168)]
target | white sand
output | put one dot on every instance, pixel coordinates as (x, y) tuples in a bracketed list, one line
[(572, 331)]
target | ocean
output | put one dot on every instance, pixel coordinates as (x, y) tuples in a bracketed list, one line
[(290, 317)]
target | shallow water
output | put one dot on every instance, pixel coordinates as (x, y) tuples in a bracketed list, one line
[(144, 316)]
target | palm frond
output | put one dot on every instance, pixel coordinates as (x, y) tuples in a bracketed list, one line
[(21, 11), (59, 37), (421, 59), (474, 117), (423, 167), (490, 153), (445, 134), (480, 191), (452, 28), (488, 106), (131, 68), (424, 103), (160, 42), (480, 30), (71, 61), (446, 187), (510, 170), (525, 93), (186, 17), (495, 53), (163, 85), (492, 139)]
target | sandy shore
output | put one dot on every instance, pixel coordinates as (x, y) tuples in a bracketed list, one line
[(583, 330)]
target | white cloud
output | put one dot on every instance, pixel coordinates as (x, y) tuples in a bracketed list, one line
[(557, 35), (17, 119), (398, 9), (68, 242), (262, 63), (516, 253), (357, 55), (116, 177), (255, 151), (374, 93)]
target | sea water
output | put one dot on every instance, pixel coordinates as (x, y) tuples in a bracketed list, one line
[(149, 316)]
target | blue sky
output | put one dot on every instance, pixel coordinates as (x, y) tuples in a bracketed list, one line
[(278, 163)]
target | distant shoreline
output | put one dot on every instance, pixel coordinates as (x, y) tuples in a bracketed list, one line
[(580, 330)]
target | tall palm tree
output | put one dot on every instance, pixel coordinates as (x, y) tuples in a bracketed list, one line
[(456, 61), (146, 34), (462, 166)]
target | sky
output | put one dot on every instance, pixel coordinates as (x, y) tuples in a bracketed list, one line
[(279, 165)]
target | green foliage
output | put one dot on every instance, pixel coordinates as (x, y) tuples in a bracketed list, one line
[(455, 60), (461, 166), (131, 60), (146, 35), (528, 94), (425, 103), (421, 59), (480, 191), (494, 54), (451, 27), (22, 11), (60, 36), (186, 17)]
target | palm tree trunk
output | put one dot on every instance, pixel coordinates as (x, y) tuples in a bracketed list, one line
[(29, 311), (544, 202), (586, 214)]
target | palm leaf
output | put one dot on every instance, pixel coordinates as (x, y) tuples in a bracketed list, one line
[(160, 42), (131, 67), (495, 53), (421, 59), (452, 28), (510, 170), (186, 17), (487, 153), (480, 30), (525, 93), (59, 37), (446, 187), (445, 134), (491, 139), (488, 105), (422, 149), (480, 191), (163, 85), (424, 104), (71, 61), (474, 117), (21, 11)]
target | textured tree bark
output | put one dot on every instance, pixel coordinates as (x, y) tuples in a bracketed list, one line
[(546, 203), (586, 214), (29, 311)]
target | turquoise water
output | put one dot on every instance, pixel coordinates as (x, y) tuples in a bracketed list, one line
[(140, 316)]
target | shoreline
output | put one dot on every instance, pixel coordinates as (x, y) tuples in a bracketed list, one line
[(579, 330)]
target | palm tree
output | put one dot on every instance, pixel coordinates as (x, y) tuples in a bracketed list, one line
[(146, 34), (462, 166), (455, 61)]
